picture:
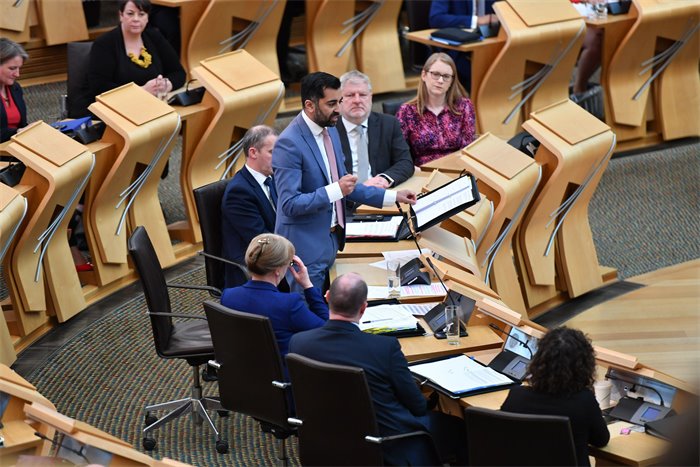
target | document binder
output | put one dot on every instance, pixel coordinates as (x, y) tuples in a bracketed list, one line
[(398, 333), (431, 209), (460, 376)]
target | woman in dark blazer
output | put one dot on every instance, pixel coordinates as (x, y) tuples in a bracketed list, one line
[(13, 111), (268, 258), (560, 382), (132, 52)]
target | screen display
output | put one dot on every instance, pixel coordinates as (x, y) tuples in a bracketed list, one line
[(651, 413), (519, 367)]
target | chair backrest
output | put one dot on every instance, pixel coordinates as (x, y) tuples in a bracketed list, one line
[(155, 289), (505, 438), (207, 199), (79, 96), (335, 405), (418, 13), (391, 107), (246, 350)]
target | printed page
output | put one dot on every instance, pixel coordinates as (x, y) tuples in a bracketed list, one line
[(460, 374), (442, 200)]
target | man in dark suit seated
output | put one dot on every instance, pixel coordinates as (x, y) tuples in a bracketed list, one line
[(374, 147), (398, 403), (249, 203)]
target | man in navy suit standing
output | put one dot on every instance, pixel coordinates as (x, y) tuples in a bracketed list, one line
[(312, 183), (248, 206), (398, 403)]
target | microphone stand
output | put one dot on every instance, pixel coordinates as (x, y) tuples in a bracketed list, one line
[(502, 331)]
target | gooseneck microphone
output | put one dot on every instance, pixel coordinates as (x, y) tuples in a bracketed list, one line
[(502, 331), (60, 445)]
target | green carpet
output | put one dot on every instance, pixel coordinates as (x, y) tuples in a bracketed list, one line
[(110, 372)]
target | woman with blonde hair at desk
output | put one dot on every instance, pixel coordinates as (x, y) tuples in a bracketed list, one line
[(268, 259), (440, 119), (560, 382)]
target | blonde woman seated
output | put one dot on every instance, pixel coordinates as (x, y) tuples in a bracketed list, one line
[(440, 119), (268, 258)]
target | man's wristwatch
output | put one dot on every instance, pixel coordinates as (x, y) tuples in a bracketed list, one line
[(388, 179)]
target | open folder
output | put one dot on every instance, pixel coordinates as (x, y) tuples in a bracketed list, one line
[(430, 209), (460, 376)]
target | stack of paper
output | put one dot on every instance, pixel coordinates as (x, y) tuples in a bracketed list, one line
[(461, 374), (387, 318), (379, 229)]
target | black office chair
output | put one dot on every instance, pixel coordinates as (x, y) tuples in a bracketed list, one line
[(78, 96), (418, 12), (505, 438), (187, 340), (250, 371), (391, 107), (335, 416), (207, 199)]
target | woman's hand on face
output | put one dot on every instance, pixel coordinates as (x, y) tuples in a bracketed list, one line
[(300, 272)]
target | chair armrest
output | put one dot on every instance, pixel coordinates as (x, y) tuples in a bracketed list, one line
[(281, 384), (227, 261), (295, 421), (208, 288), (384, 439), (214, 364), (178, 315)]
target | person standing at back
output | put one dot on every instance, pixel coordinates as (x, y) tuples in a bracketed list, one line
[(373, 144), (249, 202), (311, 181)]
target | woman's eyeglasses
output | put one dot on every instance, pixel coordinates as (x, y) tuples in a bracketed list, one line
[(446, 77)]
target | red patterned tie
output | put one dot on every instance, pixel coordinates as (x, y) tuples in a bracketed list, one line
[(330, 153)]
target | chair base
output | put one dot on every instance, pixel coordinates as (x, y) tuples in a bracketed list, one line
[(197, 405)]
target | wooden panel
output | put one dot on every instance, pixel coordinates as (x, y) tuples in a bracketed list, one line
[(130, 102), (13, 15), (498, 155), (62, 21), (569, 121), (239, 70)]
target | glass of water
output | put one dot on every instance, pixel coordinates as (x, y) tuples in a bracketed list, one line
[(393, 278), (600, 9), (452, 324)]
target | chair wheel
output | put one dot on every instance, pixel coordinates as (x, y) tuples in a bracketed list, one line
[(209, 374), (221, 446), (149, 419), (149, 444)]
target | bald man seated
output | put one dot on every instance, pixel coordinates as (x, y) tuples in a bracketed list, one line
[(398, 403)]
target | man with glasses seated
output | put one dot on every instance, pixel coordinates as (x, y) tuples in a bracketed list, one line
[(440, 119)]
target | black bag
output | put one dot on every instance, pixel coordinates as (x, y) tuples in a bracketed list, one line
[(188, 96), (455, 36), (11, 174), (525, 142)]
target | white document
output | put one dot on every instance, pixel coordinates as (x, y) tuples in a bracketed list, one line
[(419, 309), (374, 229), (402, 256), (387, 318), (460, 374), (442, 200), (378, 291)]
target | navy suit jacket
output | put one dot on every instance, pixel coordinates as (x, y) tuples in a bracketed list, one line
[(398, 403), (18, 97), (288, 312), (304, 211), (245, 213), (388, 151), (455, 14)]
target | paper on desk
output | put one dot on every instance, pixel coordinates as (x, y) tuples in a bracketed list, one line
[(419, 309), (374, 229), (460, 374), (442, 200), (390, 317), (402, 256), (378, 291)]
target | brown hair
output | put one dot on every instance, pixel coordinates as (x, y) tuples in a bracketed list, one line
[(454, 92), (564, 363), (268, 252)]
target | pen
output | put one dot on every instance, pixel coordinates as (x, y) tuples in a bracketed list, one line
[(376, 320)]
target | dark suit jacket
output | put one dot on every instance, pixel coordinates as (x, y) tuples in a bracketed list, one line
[(110, 67), (18, 97), (587, 424), (398, 403), (288, 312), (245, 213), (455, 13), (388, 151)]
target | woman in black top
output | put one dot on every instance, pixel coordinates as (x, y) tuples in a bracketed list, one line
[(560, 382), (130, 52), (13, 111)]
